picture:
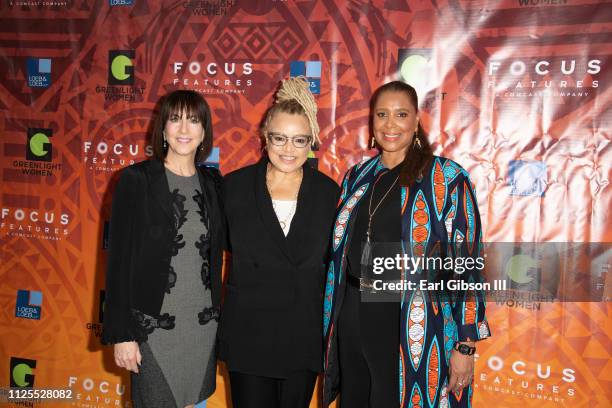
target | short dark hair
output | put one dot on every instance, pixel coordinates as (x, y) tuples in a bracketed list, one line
[(180, 101), (417, 158)]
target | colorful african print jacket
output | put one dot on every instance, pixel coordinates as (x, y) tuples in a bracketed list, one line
[(439, 214)]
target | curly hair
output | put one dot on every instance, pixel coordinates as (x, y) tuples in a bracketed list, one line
[(294, 97)]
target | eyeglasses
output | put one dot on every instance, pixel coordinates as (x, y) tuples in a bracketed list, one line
[(278, 139)]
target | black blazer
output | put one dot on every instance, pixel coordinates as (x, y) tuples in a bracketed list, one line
[(271, 321), (142, 228)]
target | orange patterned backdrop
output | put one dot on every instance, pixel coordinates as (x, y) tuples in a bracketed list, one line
[(517, 91)]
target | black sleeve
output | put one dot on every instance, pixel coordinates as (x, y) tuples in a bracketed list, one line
[(333, 191), (337, 192), (215, 175), (119, 325), (469, 307), (227, 182), (219, 183)]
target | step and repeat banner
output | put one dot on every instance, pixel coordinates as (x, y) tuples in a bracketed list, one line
[(517, 91)]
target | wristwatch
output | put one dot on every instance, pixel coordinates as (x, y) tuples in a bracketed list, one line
[(464, 349)]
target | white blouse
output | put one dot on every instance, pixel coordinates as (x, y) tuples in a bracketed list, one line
[(285, 210)]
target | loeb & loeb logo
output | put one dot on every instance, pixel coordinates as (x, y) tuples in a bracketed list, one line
[(39, 72), (527, 177), (309, 69), (29, 304)]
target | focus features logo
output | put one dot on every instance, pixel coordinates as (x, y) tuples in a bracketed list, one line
[(213, 77), (23, 222), (112, 156), (525, 379), (556, 76), (93, 392)]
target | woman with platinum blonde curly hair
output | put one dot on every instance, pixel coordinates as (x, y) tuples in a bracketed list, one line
[(280, 212)]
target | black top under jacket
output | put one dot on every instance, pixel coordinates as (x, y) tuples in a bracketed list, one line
[(271, 321), (386, 224), (143, 227)]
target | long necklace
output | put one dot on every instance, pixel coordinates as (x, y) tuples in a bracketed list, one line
[(367, 247), (284, 222)]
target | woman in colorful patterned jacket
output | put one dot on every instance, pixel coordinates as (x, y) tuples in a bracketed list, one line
[(425, 205)]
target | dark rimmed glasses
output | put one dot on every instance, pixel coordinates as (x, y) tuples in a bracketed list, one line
[(279, 139)]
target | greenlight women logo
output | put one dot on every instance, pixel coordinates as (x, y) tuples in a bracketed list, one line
[(38, 147), (21, 372), (416, 69), (121, 67)]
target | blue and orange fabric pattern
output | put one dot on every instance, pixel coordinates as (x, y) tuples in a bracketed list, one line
[(439, 216)]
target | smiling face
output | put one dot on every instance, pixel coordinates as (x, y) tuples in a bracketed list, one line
[(184, 133), (395, 121), (287, 158)]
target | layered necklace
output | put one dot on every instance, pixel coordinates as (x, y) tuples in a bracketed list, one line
[(366, 253)]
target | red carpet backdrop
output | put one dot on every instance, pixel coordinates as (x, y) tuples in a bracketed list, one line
[(517, 91)]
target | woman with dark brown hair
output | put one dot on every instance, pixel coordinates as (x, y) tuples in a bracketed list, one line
[(163, 278), (421, 205), (279, 212)]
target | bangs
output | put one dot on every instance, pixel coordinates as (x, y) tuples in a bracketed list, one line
[(193, 105), (188, 102)]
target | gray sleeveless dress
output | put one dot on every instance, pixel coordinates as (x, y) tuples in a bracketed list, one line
[(178, 359)]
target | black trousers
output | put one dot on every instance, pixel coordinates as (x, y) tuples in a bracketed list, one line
[(253, 391), (368, 335)]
